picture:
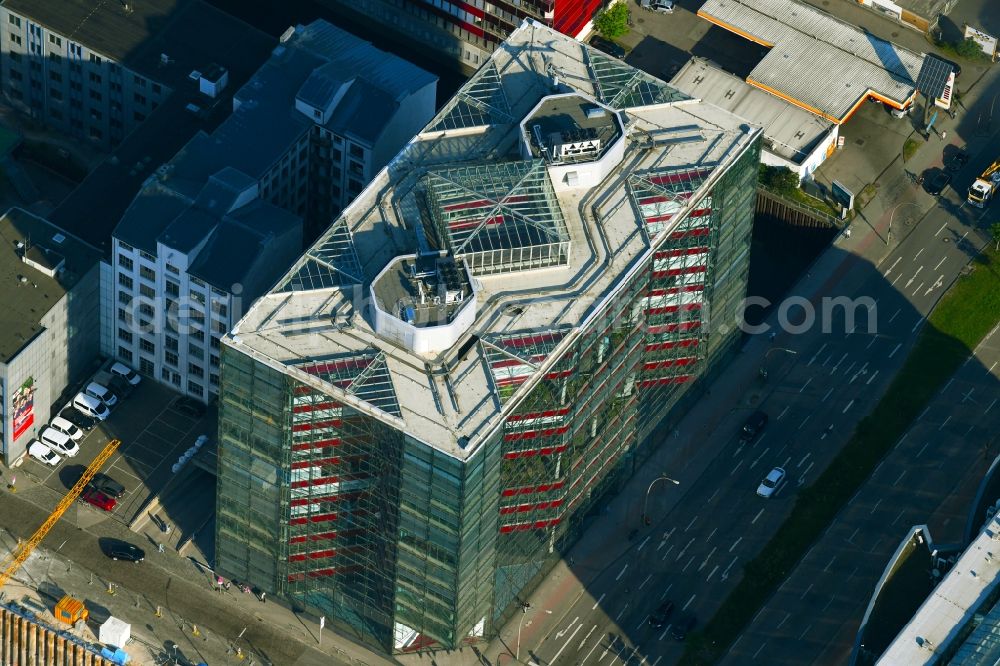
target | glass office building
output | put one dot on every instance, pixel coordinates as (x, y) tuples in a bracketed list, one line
[(415, 420)]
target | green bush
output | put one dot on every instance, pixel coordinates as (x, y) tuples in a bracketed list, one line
[(779, 179), (968, 48), (613, 21)]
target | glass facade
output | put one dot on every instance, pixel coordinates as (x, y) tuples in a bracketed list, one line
[(339, 511)]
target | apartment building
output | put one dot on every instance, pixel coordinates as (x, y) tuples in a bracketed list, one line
[(488, 341)]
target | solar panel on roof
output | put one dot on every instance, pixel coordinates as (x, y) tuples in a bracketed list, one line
[(933, 76)]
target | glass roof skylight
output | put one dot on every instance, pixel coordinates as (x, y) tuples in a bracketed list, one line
[(621, 87), (331, 262), (480, 102), (364, 376)]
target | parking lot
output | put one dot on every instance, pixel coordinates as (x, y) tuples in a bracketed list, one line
[(153, 431)]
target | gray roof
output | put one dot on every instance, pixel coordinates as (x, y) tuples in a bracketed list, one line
[(25, 303), (817, 61), (789, 131)]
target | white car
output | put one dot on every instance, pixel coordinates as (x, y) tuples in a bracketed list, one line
[(43, 454), (59, 442), (66, 428), (126, 373), (771, 483), (663, 6)]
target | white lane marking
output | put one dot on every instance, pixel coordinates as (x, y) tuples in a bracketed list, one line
[(622, 572), (738, 465), (918, 254), (804, 421), (667, 553), (725, 574), (898, 259), (596, 645), (757, 516), (872, 378), (690, 562), (705, 561), (691, 523), (759, 650), (560, 634), (896, 314), (685, 605), (735, 543), (709, 500), (556, 657), (666, 591), (648, 537), (806, 470), (787, 460), (848, 407), (816, 355), (764, 453), (804, 459), (712, 534), (826, 569), (808, 590), (941, 427), (991, 406), (644, 581), (805, 385), (584, 641), (783, 620), (828, 394), (847, 370), (875, 507), (598, 602), (617, 617), (917, 325), (911, 280), (838, 363), (919, 287), (709, 577), (893, 283), (943, 227), (895, 349), (940, 262), (899, 478), (926, 444), (963, 237), (783, 412), (681, 554)]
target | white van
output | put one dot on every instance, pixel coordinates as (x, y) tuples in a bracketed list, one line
[(126, 373), (59, 442), (90, 406), (102, 393), (67, 428)]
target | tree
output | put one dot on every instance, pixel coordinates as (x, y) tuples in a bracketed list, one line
[(779, 179), (995, 230), (969, 48), (613, 21)]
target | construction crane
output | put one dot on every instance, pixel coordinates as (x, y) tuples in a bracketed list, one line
[(13, 561)]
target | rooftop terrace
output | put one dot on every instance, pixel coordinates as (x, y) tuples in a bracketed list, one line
[(545, 250)]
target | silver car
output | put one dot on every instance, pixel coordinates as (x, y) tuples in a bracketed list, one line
[(771, 483), (664, 6)]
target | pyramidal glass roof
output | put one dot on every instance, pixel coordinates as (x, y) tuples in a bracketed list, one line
[(331, 262), (481, 101), (364, 376), (621, 87), (661, 194), (505, 206), (513, 358)]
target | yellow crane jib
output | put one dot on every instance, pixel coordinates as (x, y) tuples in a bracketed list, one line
[(12, 562)]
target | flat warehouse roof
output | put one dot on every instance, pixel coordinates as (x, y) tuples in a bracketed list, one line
[(816, 61)]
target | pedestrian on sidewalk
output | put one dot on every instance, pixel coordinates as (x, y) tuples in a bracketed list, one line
[(262, 597)]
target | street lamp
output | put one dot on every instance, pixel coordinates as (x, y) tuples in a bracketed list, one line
[(517, 649), (663, 477), (888, 238)]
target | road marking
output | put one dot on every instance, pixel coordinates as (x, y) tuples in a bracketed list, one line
[(940, 262), (681, 554), (941, 427), (926, 444), (898, 259), (712, 534), (801, 636), (709, 577), (918, 254), (598, 602), (875, 507), (735, 543), (783, 412), (896, 314), (787, 460), (804, 421), (664, 634), (991, 406), (910, 281), (838, 363), (848, 407), (893, 283), (804, 458), (764, 453), (783, 620), (816, 355), (902, 511), (919, 287), (683, 609), (691, 523), (648, 537), (805, 385), (895, 349), (709, 500), (560, 634), (666, 591), (872, 378), (596, 645), (622, 572), (705, 561), (738, 465), (899, 478), (690, 562), (644, 581), (556, 657), (963, 237), (757, 516), (943, 227), (853, 534), (667, 553), (968, 396), (826, 569), (853, 328), (828, 394), (873, 341), (620, 613), (847, 371), (584, 641), (759, 650), (917, 325), (808, 590), (806, 470)]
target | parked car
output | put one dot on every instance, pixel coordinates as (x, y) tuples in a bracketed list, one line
[(123, 550), (772, 483), (91, 406), (59, 442), (683, 626), (190, 407), (102, 393), (78, 418), (659, 618), (663, 6), (126, 373), (96, 498), (107, 485), (67, 428), (609, 47), (119, 386), (43, 454), (646, 4), (753, 426), (937, 182)]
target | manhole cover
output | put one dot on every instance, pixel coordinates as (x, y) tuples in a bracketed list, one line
[(859, 142)]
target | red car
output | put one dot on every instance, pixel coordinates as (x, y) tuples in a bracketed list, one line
[(98, 499)]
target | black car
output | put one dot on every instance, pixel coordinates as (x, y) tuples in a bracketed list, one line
[(753, 427), (659, 618), (682, 627), (123, 550), (608, 47), (120, 387), (78, 419), (937, 182), (190, 407), (107, 485)]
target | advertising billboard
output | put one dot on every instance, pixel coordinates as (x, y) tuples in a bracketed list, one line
[(23, 407)]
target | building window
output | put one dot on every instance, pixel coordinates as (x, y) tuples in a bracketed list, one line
[(195, 334), (220, 327), (95, 78), (124, 297), (147, 291), (213, 379), (15, 38), (173, 269), (196, 297), (56, 113), (357, 151), (147, 274), (96, 59), (138, 117), (124, 280), (156, 89), (55, 57), (96, 133), (55, 40), (14, 20), (173, 289), (125, 354), (147, 346), (146, 310), (55, 94), (146, 366), (122, 315), (216, 342), (220, 309), (195, 350), (165, 374), (195, 388), (213, 360), (196, 370), (55, 76), (147, 256), (95, 95), (171, 343), (16, 75), (170, 358), (125, 247), (139, 99), (356, 168), (124, 335)]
